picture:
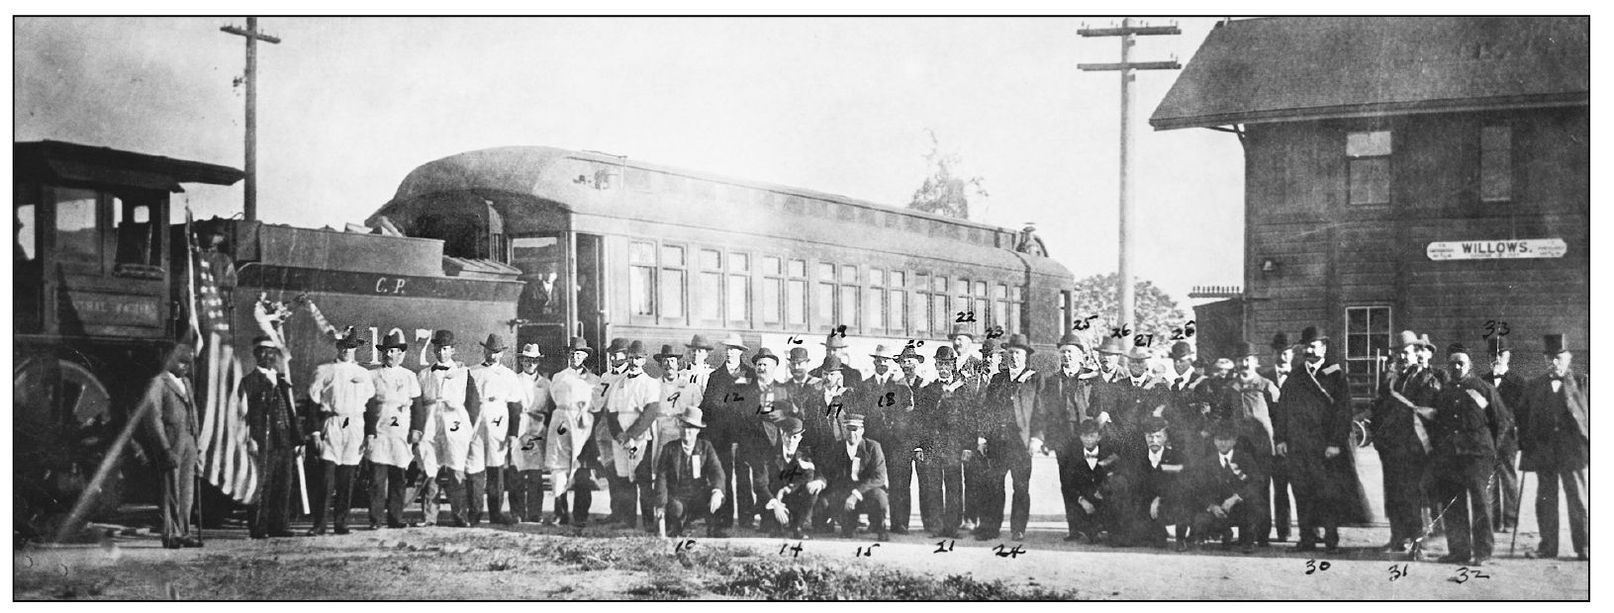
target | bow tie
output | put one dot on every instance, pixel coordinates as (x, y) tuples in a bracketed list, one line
[(441, 367), (1090, 454), (1556, 377), (635, 375)]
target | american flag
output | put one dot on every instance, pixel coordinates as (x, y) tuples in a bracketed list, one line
[(226, 443)]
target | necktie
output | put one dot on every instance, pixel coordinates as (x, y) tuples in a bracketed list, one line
[(1181, 383)]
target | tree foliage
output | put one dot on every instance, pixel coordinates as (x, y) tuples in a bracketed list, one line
[(1154, 311), (944, 192)]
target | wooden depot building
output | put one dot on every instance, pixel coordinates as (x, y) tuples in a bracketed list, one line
[(1430, 174)]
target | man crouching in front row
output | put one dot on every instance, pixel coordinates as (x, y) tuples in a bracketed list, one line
[(689, 477)]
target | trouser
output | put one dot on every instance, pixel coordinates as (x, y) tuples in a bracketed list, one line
[(1280, 497), (335, 486), (1068, 456), (1317, 496), (875, 503), (472, 494), (526, 493), (492, 482), (387, 485), (899, 462), (976, 478), (583, 497), (179, 496), (272, 515), (1459, 485), (1242, 516), (941, 495), (1018, 467), (1404, 493), (737, 493), (1505, 492), (753, 472), (1575, 483), (457, 497), (800, 505), (680, 509)]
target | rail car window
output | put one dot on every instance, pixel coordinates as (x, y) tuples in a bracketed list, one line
[(772, 300), (740, 262), (798, 268), (826, 272), (796, 302), (542, 264), (771, 265), (78, 235), (26, 231), (874, 307), (139, 241), (671, 294), (709, 299), (824, 306), (642, 278), (1000, 305), (848, 274), (923, 317), (740, 299)]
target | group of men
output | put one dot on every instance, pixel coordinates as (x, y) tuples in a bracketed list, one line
[(822, 447)]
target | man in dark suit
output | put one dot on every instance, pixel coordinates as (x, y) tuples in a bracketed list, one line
[(1467, 421), (890, 399), (689, 476), (1187, 403), (1555, 436), (272, 420), (1283, 357), (1228, 490), (1312, 433), (1087, 479), (757, 410), (943, 440), (1154, 492), (855, 471), (836, 346), (1013, 432), (1510, 384), (717, 402), (1066, 402), (172, 435), (794, 485), (1402, 440), (1135, 396)]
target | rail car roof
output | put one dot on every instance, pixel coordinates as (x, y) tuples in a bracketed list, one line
[(50, 159), (1302, 68), (543, 173)]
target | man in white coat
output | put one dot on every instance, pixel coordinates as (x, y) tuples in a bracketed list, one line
[(630, 412), (571, 423), (444, 427), (342, 389), (525, 474), (501, 397), (386, 423)]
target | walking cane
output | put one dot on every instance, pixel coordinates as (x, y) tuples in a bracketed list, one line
[(197, 499), (1518, 504)]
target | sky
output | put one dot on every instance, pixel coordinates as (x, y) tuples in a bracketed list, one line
[(348, 106)]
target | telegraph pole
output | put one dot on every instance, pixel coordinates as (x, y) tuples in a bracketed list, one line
[(1125, 67), (252, 35)]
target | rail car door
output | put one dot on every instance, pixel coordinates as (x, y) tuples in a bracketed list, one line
[(590, 293), (546, 313)]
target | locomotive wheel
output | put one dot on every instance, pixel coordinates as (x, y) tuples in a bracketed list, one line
[(63, 423)]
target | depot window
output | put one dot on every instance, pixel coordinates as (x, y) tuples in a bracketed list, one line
[(1368, 154), (1496, 163), (1367, 337)]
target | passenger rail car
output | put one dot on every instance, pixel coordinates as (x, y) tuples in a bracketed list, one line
[(616, 248)]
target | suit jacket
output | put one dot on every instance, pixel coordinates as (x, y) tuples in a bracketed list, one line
[(790, 473), (172, 427), (754, 426), (1316, 411), (676, 474), (1394, 429), (271, 414), (1153, 482), (1468, 419), (718, 404), (1511, 386), (888, 407), (1011, 406), (871, 471), (942, 430), (1555, 428), (1127, 403), (1214, 484), (1092, 483), (1065, 402)]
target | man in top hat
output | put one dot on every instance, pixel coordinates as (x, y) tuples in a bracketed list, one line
[(837, 346), (386, 422), (793, 485), (689, 477), (502, 396), (1283, 357), (1111, 354), (716, 401), (943, 438), (1402, 440), (1013, 433), (1229, 490), (569, 450), (272, 423), (525, 475), (856, 473), (1312, 433), (632, 407), (1555, 436), (1252, 397), (1065, 402), (1510, 384), (444, 428), (1467, 421), (695, 369), (341, 389), (890, 401), (964, 346), (172, 430)]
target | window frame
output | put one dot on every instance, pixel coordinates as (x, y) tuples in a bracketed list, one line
[(654, 287), (662, 270), (1361, 382), (1368, 160)]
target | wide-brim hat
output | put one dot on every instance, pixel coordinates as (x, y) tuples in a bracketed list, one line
[(579, 344), (960, 330), (791, 426), (990, 346), (1311, 334), (617, 345), (1138, 353), (1425, 342), (1112, 345), (699, 342), (1407, 337), (832, 363), (530, 350), (1182, 349), (666, 352), (351, 340), (636, 350), (443, 338), (764, 353), (910, 352), (734, 340), (393, 339), (1553, 344), (946, 353), (1070, 338), (693, 417), (1018, 341), (882, 352), (494, 344), (836, 341), (799, 354)]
